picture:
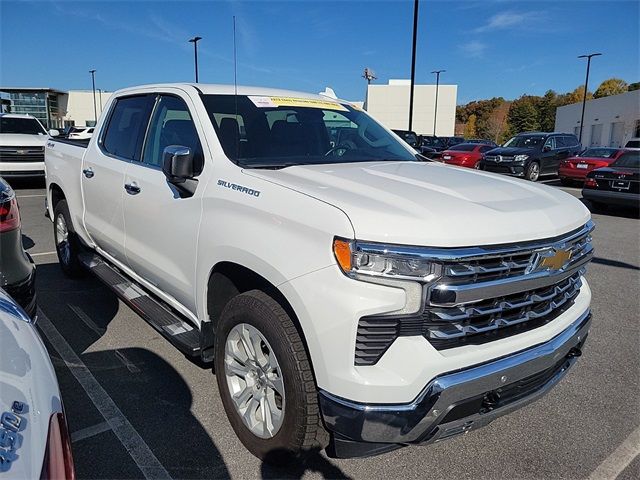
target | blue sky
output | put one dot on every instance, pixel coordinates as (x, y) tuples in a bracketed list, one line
[(489, 48)]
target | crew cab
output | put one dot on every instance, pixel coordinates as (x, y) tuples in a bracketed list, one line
[(22, 139), (350, 294)]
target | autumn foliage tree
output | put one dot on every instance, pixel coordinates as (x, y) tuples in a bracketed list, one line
[(611, 86)]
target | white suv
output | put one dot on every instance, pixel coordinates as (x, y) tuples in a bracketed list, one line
[(22, 140)]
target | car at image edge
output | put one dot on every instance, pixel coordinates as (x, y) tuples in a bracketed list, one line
[(22, 140), (531, 155), (350, 295), (617, 184), (34, 438)]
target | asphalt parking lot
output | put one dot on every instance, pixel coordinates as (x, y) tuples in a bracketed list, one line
[(138, 408)]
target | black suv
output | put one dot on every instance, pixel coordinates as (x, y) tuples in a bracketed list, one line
[(531, 155)]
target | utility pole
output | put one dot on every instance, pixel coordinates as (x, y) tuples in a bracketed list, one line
[(100, 98), (93, 85), (195, 40), (413, 60), (586, 87), (368, 75), (435, 110)]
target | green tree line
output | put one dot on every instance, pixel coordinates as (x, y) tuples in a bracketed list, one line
[(498, 119)]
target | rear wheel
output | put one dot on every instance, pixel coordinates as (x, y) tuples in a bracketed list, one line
[(67, 243), (265, 380), (532, 173)]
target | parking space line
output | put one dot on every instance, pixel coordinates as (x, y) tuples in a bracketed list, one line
[(129, 437), (89, 432), (32, 195), (86, 320), (620, 459), (127, 363), (41, 254)]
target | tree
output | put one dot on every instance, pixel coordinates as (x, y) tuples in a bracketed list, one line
[(611, 86), (470, 127), (546, 107), (522, 116), (497, 123)]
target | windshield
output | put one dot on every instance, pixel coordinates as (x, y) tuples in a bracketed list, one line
[(28, 126), (628, 160), (276, 132), (599, 152), (524, 142), (463, 147)]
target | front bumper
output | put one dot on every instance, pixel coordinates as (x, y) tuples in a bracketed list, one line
[(513, 169), (456, 402)]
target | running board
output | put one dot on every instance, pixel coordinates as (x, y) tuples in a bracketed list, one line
[(179, 332)]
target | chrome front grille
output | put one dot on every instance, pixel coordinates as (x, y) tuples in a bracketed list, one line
[(21, 154), (486, 293)]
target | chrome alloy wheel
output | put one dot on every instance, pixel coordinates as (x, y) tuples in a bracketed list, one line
[(255, 380), (62, 239), (535, 171)]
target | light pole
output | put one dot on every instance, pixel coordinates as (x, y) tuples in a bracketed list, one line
[(368, 75), (100, 99), (413, 60), (195, 40), (586, 86), (93, 85), (435, 110)]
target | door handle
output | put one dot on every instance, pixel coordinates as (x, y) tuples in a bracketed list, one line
[(88, 172), (132, 188)]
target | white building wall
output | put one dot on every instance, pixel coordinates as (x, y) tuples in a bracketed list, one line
[(79, 105), (608, 121), (389, 104)]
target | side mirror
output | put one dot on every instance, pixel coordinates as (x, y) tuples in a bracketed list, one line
[(177, 163), (546, 148), (54, 133)]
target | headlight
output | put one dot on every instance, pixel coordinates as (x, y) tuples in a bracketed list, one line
[(520, 158), (379, 260)]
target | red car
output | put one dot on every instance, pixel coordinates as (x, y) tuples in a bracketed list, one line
[(465, 154), (575, 169)]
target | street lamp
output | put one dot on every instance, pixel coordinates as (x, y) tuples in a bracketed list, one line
[(195, 40), (435, 110), (368, 75), (93, 84), (586, 86), (416, 6)]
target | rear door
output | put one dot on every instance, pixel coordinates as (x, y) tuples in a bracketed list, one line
[(548, 156), (161, 222), (103, 170)]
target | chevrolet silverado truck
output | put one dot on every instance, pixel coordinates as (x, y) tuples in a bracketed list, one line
[(22, 139), (349, 294)]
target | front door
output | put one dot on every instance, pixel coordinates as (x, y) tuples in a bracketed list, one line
[(161, 222), (103, 171)]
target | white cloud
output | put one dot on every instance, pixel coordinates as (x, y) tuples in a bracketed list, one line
[(506, 20), (473, 49)]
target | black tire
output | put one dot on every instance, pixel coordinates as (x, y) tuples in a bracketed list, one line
[(69, 250), (532, 172), (566, 182), (302, 430)]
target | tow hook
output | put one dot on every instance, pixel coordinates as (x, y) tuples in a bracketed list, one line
[(574, 352), (490, 401)]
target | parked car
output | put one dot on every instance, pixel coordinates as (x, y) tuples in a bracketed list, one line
[(410, 137), (633, 144), (451, 141), (34, 438), (575, 169), (616, 184), (480, 140), (348, 294), (80, 133), (465, 154), (22, 139), (432, 146), (531, 155), (17, 271)]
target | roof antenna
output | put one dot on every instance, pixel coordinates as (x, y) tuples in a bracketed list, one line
[(235, 88)]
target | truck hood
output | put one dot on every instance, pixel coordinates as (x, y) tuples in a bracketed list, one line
[(432, 204), (22, 140)]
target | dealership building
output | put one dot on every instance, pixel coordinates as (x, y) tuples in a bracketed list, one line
[(55, 108), (608, 121), (390, 105)]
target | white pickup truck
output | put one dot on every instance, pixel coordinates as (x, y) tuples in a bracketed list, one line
[(350, 294)]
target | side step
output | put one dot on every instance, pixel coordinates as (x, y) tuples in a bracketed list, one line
[(180, 333)]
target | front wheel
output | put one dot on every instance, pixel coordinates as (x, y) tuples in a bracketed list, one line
[(532, 173), (265, 380), (67, 243)]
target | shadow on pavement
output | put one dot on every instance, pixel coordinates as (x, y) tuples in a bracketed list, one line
[(315, 462)]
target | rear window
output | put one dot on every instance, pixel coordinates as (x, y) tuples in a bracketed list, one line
[(633, 144), (127, 123), (628, 160), (463, 147), (599, 152)]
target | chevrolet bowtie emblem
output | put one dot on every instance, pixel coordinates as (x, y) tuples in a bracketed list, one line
[(554, 259)]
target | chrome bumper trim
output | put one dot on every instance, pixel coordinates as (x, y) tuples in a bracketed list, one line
[(424, 419)]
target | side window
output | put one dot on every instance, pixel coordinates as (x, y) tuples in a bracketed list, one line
[(126, 128), (551, 143), (561, 142), (572, 141), (171, 124), (486, 148)]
